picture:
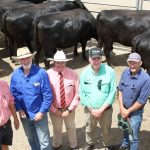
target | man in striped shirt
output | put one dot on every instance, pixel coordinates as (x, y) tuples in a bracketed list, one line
[(65, 100)]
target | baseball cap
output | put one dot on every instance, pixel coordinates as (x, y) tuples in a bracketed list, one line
[(134, 57), (95, 52)]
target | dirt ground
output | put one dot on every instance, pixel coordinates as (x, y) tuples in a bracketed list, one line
[(119, 61)]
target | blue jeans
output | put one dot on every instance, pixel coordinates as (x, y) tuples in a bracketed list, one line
[(37, 133), (135, 121)]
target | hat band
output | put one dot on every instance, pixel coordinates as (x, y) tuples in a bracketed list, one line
[(24, 54)]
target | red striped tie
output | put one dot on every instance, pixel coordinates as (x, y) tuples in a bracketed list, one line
[(62, 91)]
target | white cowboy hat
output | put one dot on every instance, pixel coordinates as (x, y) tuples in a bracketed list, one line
[(23, 53), (59, 56)]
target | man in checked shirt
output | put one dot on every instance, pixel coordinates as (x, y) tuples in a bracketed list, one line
[(6, 110), (63, 111)]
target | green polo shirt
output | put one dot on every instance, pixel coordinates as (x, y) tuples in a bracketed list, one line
[(96, 89)]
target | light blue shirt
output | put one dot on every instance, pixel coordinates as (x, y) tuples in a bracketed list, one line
[(96, 89), (134, 88)]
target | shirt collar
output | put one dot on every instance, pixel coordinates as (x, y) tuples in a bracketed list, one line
[(31, 70), (135, 76), (99, 71), (63, 72)]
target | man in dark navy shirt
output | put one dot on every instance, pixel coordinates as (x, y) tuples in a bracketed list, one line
[(134, 90), (33, 97)]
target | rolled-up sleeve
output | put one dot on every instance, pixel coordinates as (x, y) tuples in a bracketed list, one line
[(145, 92)]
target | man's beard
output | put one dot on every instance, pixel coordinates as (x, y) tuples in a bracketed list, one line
[(27, 66)]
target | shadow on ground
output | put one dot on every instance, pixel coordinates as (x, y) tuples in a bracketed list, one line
[(117, 138)]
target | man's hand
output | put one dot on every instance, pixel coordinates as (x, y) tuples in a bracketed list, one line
[(65, 113), (38, 116), (96, 113), (124, 112), (22, 114)]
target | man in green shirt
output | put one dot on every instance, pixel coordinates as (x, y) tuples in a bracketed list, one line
[(97, 94)]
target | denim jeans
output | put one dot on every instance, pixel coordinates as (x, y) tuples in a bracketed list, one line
[(37, 133), (135, 121)]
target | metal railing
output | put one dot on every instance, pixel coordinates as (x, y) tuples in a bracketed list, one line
[(139, 4)]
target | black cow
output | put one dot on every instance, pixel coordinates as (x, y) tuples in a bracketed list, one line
[(7, 7), (141, 45), (63, 30), (33, 1), (120, 26), (18, 24)]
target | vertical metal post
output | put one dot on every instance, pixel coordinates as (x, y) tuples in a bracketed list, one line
[(141, 5), (137, 4)]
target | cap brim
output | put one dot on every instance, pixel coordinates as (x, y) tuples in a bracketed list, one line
[(135, 60), (95, 56)]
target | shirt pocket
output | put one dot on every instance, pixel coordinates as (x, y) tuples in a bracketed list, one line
[(87, 86), (37, 87), (69, 87), (130, 90), (135, 91)]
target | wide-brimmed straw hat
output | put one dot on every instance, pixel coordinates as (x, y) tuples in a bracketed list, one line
[(23, 52), (59, 56)]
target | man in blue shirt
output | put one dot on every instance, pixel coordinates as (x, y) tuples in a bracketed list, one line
[(33, 97), (134, 90)]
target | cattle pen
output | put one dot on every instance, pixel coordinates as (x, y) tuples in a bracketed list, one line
[(119, 62)]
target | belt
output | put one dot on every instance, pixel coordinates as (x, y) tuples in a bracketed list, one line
[(5, 125), (62, 109)]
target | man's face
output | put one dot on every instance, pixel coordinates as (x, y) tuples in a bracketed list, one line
[(95, 62), (26, 62), (134, 66), (59, 65)]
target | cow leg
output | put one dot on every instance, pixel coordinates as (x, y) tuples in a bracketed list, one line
[(29, 45), (107, 49), (75, 50), (11, 48), (83, 50), (36, 57), (100, 43), (6, 42), (49, 53)]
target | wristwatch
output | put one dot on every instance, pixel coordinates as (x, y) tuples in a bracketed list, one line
[(69, 111)]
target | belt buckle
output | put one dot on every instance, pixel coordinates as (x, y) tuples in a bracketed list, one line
[(62, 109)]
